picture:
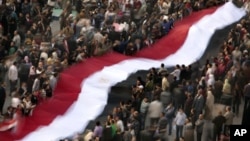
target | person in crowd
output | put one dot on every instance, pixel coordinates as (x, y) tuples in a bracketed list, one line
[(246, 93), (118, 136), (107, 132), (176, 73), (135, 127), (2, 97), (180, 121), (143, 111), (9, 113), (229, 116), (119, 124), (127, 136), (188, 104), (27, 106), (124, 27), (98, 131), (170, 114), (218, 122), (189, 131), (165, 98), (199, 124), (13, 76), (162, 70), (218, 86), (209, 107), (15, 101), (165, 84), (154, 111), (162, 126), (199, 103), (226, 87), (236, 99)]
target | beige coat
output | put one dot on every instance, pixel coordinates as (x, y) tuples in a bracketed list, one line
[(229, 115), (155, 109), (189, 132), (226, 87), (209, 105)]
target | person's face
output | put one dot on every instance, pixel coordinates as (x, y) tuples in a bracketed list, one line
[(3, 84), (138, 82), (108, 117), (24, 84), (181, 139), (40, 65), (180, 110), (200, 116)]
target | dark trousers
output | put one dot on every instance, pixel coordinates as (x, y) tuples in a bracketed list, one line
[(236, 105), (1, 106), (154, 121), (13, 85), (198, 136), (217, 134), (179, 131), (247, 100), (170, 125), (226, 129), (143, 118), (23, 78)]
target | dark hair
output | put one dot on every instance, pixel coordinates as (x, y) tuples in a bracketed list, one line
[(162, 65), (108, 123), (98, 123)]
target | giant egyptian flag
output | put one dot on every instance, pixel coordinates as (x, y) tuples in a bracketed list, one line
[(82, 90)]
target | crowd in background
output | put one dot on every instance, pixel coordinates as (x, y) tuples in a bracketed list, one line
[(102, 26), (121, 26), (180, 101)]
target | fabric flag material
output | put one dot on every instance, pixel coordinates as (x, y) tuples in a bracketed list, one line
[(6, 125), (82, 90)]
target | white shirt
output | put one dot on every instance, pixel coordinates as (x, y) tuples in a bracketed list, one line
[(52, 82), (15, 102), (44, 55), (144, 106), (176, 73), (17, 40), (36, 85), (180, 118), (28, 104), (13, 73), (120, 125)]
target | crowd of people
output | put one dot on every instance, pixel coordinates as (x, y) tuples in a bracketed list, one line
[(183, 100), (125, 27)]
